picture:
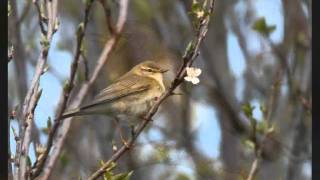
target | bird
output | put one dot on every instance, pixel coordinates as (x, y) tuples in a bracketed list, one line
[(132, 95)]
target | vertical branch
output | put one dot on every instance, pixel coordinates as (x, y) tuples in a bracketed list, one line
[(254, 169), (33, 95), (111, 43), (38, 166)]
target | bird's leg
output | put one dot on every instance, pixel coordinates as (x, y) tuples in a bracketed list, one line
[(132, 131), (120, 132)]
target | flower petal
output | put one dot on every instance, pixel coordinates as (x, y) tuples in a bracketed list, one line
[(189, 71), (195, 80), (197, 72), (188, 78)]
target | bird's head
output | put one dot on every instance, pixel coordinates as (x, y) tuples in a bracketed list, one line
[(149, 69)]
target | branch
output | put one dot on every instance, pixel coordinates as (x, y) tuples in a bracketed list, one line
[(38, 166), (30, 104), (107, 12), (111, 43), (190, 55), (10, 53), (254, 169)]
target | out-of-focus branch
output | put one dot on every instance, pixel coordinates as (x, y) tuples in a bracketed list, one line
[(254, 169), (107, 12), (111, 43), (29, 128), (10, 53), (38, 166), (25, 11), (190, 55), (29, 103), (257, 150)]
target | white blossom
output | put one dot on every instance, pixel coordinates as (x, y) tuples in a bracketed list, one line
[(200, 14), (192, 75)]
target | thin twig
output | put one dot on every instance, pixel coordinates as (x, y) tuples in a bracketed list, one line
[(107, 12), (254, 169), (86, 67), (190, 55), (10, 53), (25, 12), (38, 166), (28, 130), (109, 46), (32, 94), (40, 17)]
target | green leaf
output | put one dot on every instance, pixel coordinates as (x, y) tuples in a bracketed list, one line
[(80, 29), (162, 154), (249, 144), (122, 176), (28, 161), (189, 46), (66, 86), (44, 41), (182, 176), (45, 130), (196, 6), (262, 126), (107, 175), (248, 110), (49, 123), (261, 26)]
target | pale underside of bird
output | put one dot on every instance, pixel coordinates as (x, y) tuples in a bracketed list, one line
[(132, 95)]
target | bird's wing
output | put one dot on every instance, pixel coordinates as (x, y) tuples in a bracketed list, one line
[(125, 86)]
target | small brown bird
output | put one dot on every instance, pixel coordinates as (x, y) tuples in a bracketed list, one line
[(133, 94)]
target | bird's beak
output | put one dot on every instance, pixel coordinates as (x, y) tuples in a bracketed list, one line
[(163, 70)]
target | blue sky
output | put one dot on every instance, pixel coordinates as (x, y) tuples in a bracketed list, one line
[(208, 136)]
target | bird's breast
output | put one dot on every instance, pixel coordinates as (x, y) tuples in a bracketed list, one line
[(139, 106)]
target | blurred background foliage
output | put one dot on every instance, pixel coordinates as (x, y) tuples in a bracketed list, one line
[(271, 73)]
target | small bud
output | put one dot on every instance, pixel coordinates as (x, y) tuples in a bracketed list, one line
[(114, 146), (28, 161), (45, 69), (49, 123), (66, 86), (56, 25), (38, 95), (44, 42), (16, 138), (80, 29), (40, 149)]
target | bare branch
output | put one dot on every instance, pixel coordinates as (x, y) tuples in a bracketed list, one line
[(111, 43), (38, 166), (10, 53), (254, 169), (190, 55), (33, 96), (40, 17), (107, 12)]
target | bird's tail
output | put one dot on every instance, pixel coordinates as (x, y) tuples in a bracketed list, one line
[(70, 113)]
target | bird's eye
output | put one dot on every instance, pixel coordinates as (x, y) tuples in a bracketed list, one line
[(148, 70)]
